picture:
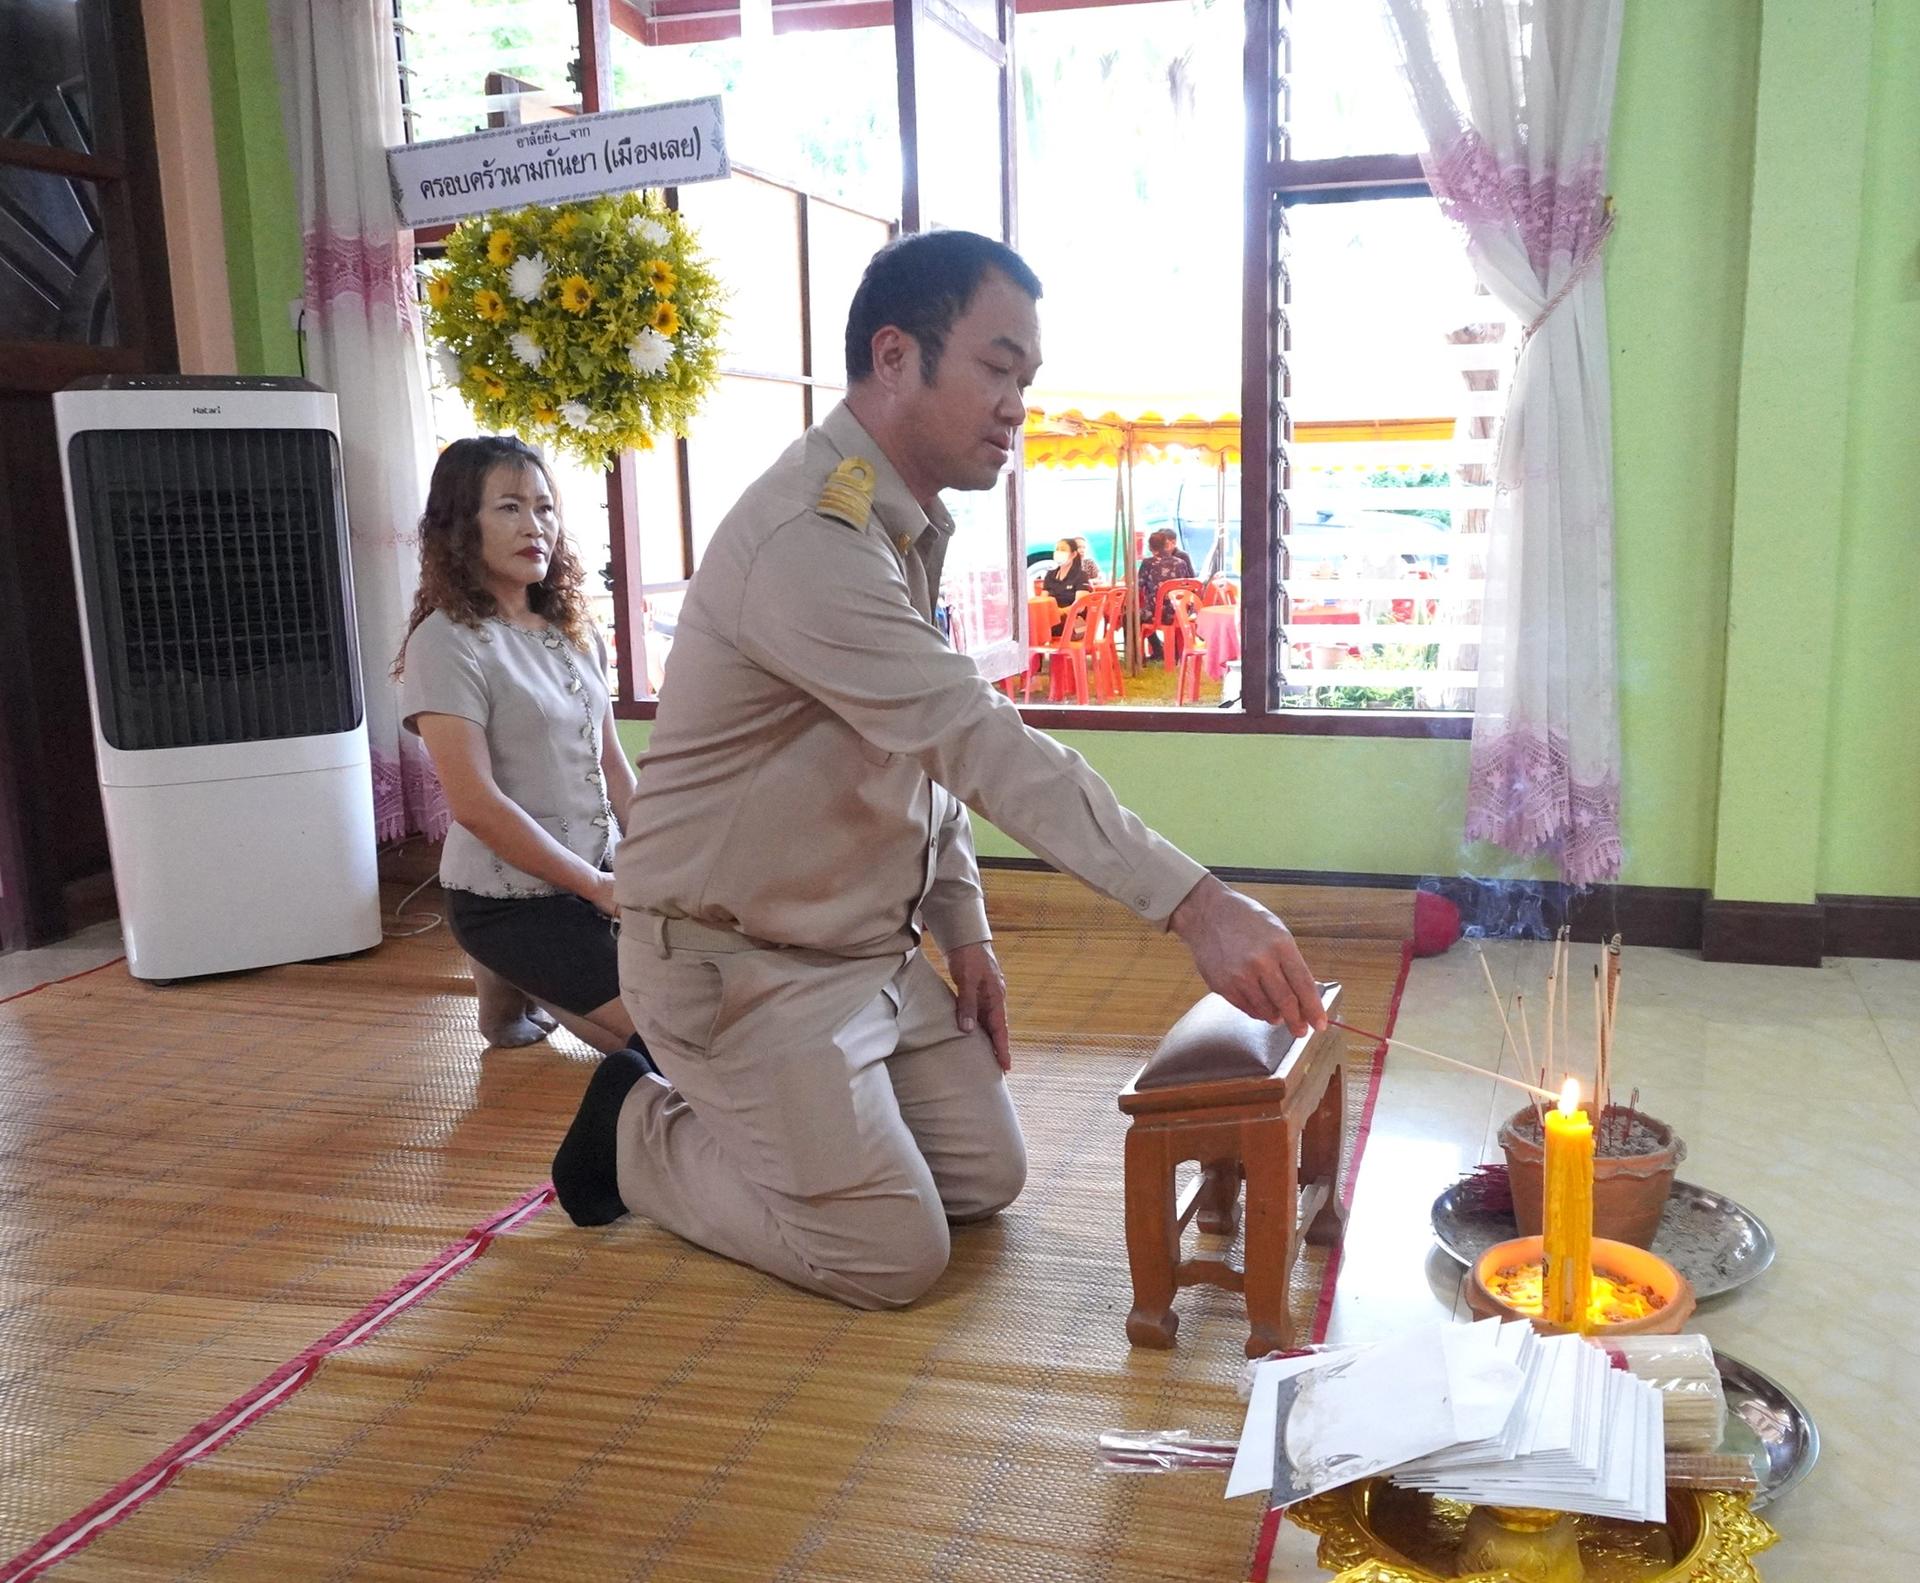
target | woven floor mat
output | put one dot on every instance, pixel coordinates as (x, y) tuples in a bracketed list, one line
[(197, 1182)]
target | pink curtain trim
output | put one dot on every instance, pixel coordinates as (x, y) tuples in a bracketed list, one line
[(1521, 793), (1552, 212), (407, 799), (380, 274)]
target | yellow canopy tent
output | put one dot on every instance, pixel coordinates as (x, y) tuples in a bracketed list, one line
[(1066, 430), (1069, 431)]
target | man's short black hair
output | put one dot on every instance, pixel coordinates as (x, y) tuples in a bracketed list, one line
[(921, 284)]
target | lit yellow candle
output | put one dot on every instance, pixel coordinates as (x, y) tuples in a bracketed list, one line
[(1568, 1244)]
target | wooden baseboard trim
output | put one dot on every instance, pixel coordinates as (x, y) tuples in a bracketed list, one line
[(1771, 933), (1873, 926), (1777, 934), (1506, 909)]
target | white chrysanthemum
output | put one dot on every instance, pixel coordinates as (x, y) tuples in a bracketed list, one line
[(648, 352), (449, 368), (526, 348), (527, 277), (576, 413), (649, 230)]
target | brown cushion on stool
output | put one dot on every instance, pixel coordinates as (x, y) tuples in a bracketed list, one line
[(1215, 1042)]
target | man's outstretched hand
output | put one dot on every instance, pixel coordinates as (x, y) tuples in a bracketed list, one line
[(981, 991), (1247, 955)]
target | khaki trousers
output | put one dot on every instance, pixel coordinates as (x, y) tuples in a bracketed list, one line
[(826, 1118)]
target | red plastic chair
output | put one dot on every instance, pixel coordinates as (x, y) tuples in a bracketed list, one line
[(1183, 611), (1071, 657), (1222, 592), (1113, 621), (1164, 624), (1187, 689)]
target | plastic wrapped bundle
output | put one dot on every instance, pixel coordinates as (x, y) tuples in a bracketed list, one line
[(1681, 1368)]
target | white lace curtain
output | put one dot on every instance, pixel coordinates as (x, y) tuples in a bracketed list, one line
[(340, 95), (1515, 99)]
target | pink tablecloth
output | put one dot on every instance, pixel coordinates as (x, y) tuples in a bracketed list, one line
[(1219, 628)]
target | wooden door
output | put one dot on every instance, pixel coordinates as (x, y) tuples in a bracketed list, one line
[(83, 291)]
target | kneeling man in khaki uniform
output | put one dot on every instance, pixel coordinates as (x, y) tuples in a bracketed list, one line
[(821, 1104)]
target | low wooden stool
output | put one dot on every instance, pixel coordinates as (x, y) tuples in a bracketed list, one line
[(1252, 1105)]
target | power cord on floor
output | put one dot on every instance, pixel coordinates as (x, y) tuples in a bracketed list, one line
[(433, 920)]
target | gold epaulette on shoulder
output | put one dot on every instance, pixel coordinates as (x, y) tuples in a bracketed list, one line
[(848, 495)]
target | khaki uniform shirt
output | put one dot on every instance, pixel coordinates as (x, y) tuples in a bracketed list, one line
[(817, 738)]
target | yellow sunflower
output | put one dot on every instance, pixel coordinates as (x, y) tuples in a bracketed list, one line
[(563, 226), (489, 305), (544, 413), (661, 278), (500, 247), (665, 318), (576, 294), (488, 381), (439, 293)]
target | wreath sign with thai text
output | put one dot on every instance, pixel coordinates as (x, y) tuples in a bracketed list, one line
[(559, 161)]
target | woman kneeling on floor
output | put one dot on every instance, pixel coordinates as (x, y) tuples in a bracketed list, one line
[(504, 679)]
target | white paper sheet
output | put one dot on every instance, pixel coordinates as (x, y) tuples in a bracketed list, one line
[(1253, 1461)]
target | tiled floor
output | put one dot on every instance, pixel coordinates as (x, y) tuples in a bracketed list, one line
[(1797, 1094)]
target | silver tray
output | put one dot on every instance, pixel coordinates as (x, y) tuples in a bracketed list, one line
[(1714, 1242), (1766, 1422)]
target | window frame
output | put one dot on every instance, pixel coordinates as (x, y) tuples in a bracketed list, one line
[(1272, 181), (807, 382)]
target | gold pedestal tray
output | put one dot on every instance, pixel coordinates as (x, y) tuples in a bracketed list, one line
[(1375, 1532)]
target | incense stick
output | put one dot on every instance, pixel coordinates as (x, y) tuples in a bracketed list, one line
[(1520, 1005), (1444, 1060), (1499, 1010), (1599, 1048), (1614, 965), (1563, 944), (1553, 965), (1506, 1032)]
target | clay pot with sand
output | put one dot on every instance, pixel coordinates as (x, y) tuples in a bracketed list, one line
[(1633, 1165), (1646, 1280)]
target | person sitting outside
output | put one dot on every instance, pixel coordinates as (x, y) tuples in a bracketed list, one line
[(1163, 564), (1070, 576)]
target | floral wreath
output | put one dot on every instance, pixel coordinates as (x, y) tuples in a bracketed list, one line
[(586, 327)]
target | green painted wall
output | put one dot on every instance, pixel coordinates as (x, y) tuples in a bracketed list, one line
[(1791, 461), (1201, 792), (1680, 168), (1871, 827), (256, 187)]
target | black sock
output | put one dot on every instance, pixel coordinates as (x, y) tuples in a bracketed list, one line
[(639, 1048), (584, 1176)]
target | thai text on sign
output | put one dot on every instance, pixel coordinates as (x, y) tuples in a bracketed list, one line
[(660, 145)]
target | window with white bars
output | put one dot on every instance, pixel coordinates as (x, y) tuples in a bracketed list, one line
[(1390, 367), (1397, 372)]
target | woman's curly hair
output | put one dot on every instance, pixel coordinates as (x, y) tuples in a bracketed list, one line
[(452, 578)]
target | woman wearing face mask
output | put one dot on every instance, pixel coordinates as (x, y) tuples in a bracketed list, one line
[(504, 681), (1070, 576)]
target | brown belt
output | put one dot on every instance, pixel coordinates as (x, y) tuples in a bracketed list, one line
[(683, 934)]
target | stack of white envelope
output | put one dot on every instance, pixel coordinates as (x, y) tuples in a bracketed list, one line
[(1491, 1413)]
